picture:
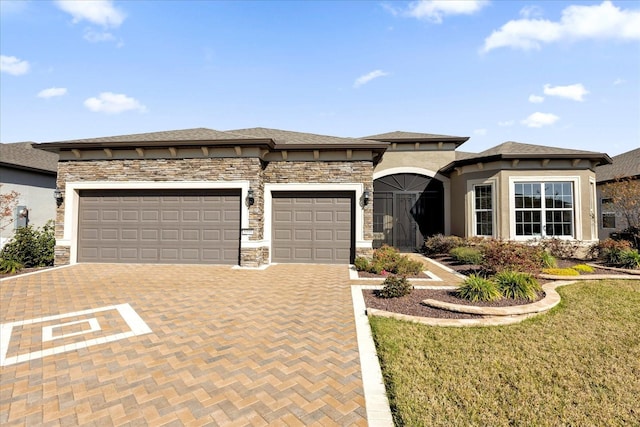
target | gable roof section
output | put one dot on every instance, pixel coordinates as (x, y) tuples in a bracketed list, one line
[(518, 150), (402, 136), (272, 138), (22, 155), (285, 139), (159, 139), (623, 166)]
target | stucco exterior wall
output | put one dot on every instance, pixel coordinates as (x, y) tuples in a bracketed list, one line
[(35, 192), (460, 211), (462, 203), (429, 160)]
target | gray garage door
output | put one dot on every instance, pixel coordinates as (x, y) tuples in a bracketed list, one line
[(159, 226), (313, 227)]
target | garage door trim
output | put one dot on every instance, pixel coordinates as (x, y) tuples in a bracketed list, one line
[(355, 188)]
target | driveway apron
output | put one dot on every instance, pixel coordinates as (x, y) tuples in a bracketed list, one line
[(130, 344)]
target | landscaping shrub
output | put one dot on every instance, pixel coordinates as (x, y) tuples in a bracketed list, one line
[(31, 247), (548, 260), (389, 259), (476, 288), (630, 259), (441, 244), (583, 268), (466, 255), (10, 266), (513, 284), (561, 248), (609, 250), (406, 266), (560, 271), (361, 264), (395, 287), (501, 255)]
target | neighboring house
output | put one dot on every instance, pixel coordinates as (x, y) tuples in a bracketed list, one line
[(31, 173), (625, 165), (259, 196)]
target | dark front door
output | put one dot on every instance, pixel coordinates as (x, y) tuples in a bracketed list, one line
[(406, 209)]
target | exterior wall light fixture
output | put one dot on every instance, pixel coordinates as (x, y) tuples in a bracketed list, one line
[(366, 196), (57, 194), (250, 197)]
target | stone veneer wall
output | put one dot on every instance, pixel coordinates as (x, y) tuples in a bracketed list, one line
[(164, 170), (220, 169), (328, 173)]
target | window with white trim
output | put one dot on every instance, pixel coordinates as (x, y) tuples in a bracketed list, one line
[(483, 209), (544, 209)]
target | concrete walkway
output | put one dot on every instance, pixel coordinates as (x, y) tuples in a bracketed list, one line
[(180, 345)]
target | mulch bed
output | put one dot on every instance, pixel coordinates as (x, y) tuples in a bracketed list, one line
[(412, 304)]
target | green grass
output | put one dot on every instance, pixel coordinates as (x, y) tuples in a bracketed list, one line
[(576, 365)]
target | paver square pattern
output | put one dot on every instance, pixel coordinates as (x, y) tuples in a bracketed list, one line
[(180, 345)]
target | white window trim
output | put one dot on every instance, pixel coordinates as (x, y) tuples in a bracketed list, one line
[(357, 188), (577, 205), (72, 202), (471, 206)]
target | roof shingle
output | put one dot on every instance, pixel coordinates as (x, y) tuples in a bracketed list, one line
[(623, 165), (23, 155)]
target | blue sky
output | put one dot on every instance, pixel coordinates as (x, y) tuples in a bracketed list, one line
[(561, 73)]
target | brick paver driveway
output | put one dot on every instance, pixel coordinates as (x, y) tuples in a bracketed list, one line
[(225, 347)]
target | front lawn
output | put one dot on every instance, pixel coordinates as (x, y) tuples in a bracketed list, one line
[(576, 365)]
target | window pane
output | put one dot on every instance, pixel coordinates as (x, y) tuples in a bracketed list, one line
[(608, 220)]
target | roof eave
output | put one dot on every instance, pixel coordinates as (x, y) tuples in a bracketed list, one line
[(58, 146)]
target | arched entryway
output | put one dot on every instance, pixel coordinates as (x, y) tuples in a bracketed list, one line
[(407, 207)]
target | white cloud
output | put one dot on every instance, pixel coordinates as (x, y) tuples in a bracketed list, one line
[(575, 92), (506, 123), (52, 92), (99, 12), (537, 120), (619, 81), (13, 65), (368, 77), (536, 99), (113, 103), (531, 12), (435, 10), (480, 131), (98, 36), (603, 21)]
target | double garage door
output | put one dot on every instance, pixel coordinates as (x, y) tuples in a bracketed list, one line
[(203, 226), (159, 226)]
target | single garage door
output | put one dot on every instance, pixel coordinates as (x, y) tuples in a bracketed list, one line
[(313, 227), (159, 226)]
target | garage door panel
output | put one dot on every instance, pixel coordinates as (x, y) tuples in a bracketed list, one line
[(110, 215), (312, 235), (342, 235), (149, 234), (159, 226), (303, 235), (132, 234), (212, 216), (190, 215), (150, 254)]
